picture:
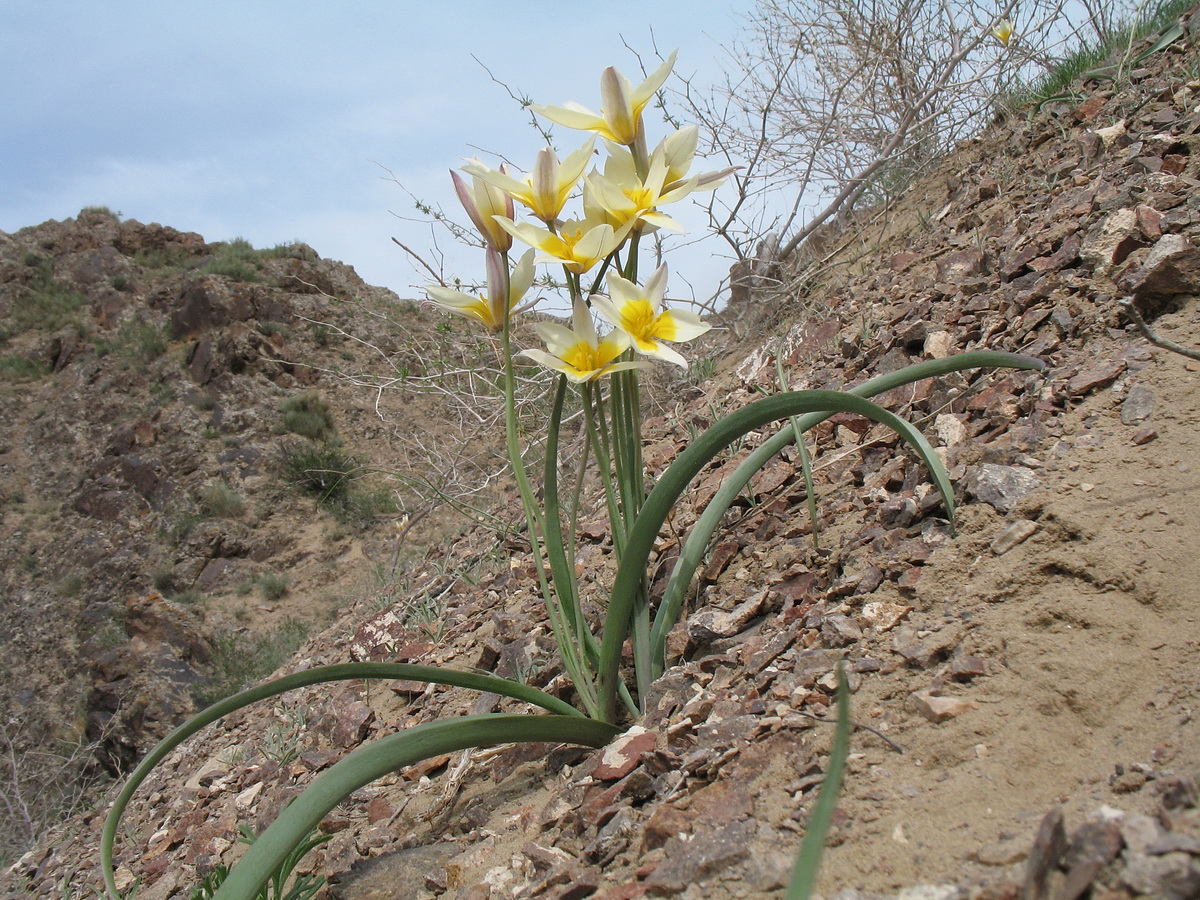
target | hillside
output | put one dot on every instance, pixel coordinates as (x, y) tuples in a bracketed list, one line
[(175, 417), (1025, 689)]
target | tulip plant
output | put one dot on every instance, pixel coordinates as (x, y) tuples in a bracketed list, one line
[(620, 323)]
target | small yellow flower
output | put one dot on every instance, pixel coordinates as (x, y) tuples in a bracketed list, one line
[(577, 245), (546, 188), (639, 313), (579, 353), (620, 117), (1003, 31), (490, 309), (483, 202), (620, 198), (620, 194)]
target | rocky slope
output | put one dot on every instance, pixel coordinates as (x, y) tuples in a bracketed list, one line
[(1026, 689), (170, 410)]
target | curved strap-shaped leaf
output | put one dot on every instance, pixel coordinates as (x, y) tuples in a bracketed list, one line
[(808, 862), (687, 465), (319, 675), (385, 755), (702, 531)]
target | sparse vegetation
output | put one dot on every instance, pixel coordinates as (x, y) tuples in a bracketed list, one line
[(241, 659), (308, 416), (273, 585), (220, 501), (179, 524), (701, 370), (39, 787), (46, 303), (20, 368), (333, 476), (270, 328), (1107, 58), (172, 256), (325, 471), (102, 211), (137, 342), (203, 401)]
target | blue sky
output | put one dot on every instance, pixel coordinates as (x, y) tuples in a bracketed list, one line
[(271, 120)]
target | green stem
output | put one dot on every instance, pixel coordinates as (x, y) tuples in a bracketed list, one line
[(598, 437), (574, 665), (562, 605)]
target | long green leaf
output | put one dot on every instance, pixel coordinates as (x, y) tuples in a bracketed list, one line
[(705, 527), (319, 675), (385, 755), (686, 466), (804, 875)]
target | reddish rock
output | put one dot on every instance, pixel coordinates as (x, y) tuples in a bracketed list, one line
[(378, 810), (665, 823), (351, 724), (958, 265), (1144, 435), (1172, 267), (706, 855), (622, 756), (1097, 376)]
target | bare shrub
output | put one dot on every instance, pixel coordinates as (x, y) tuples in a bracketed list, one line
[(836, 103), (40, 787)]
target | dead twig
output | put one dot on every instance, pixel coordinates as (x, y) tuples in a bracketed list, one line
[(1126, 303)]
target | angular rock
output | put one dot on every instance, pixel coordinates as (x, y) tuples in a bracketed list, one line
[(967, 667), (351, 724), (1138, 405), (939, 709), (1095, 377), (1111, 242), (883, 616), (1013, 534), (1144, 435), (1093, 846), (923, 652), (622, 756), (1001, 486), (958, 265), (1174, 875), (1049, 845), (708, 853), (710, 624), (839, 630), (1172, 267)]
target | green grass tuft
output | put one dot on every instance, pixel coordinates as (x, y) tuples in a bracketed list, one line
[(308, 416), (18, 368), (240, 659), (220, 501)]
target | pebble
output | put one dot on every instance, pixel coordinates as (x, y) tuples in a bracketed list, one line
[(1013, 534), (1144, 435), (940, 709), (1138, 405)]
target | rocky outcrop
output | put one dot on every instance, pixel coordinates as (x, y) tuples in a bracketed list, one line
[(139, 367)]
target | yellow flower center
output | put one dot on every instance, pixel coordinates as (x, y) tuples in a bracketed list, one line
[(582, 357), (570, 239), (639, 318), (642, 198)]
